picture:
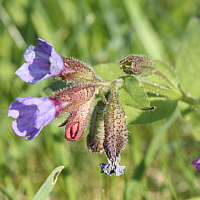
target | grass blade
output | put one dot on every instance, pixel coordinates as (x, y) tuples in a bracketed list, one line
[(48, 185)]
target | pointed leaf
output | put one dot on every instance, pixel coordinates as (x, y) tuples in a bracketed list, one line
[(164, 108), (48, 185)]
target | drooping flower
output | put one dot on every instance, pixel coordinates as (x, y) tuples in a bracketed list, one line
[(32, 114), (42, 62), (115, 134), (197, 163)]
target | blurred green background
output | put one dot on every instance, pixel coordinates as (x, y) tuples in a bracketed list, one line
[(95, 31)]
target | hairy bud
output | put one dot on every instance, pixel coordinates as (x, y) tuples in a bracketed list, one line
[(73, 97), (115, 127), (137, 65), (77, 71), (96, 135), (77, 121)]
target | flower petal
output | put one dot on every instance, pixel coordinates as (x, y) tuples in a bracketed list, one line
[(113, 166), (42, 62), (196, 161), (32, 114), (77, 121)]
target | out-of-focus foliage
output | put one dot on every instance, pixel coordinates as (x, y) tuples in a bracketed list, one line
[(157, 157)]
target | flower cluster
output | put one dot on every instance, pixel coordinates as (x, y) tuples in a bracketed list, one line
[(108, 124), (108, 129), (108, 132), (33, 113)]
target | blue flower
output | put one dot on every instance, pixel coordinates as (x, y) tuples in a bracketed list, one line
[(197, 163), (42, 62), (32, 114), (113, 166)]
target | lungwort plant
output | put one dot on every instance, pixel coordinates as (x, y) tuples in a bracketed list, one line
[(136, 90)]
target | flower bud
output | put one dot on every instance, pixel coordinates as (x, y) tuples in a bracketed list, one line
[(77, 121), (77, 71), (115, 134), (96, 135), (137, 65), (115, 127)]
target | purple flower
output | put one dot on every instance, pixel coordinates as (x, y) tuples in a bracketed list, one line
[(197, 163), (42, 62), (32, 114)]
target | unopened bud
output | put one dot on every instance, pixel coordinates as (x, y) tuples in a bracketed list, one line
[(77, 71), (96, 135), (115, 127), (77, 121), (138, 65)]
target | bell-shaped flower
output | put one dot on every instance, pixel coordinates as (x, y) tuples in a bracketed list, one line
[(32, 114), (42, 62), (197, 163)]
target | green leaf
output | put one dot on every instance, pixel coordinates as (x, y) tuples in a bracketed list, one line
[(132, 93), (164, 75), (168, 71), (188, 59), (162, 90), (108, 71), (48, 185), (164, 108)]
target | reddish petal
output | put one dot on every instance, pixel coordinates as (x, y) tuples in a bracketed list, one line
[(72, 133), (77, 121)]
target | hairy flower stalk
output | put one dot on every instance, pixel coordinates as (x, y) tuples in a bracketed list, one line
[(115, 134)]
